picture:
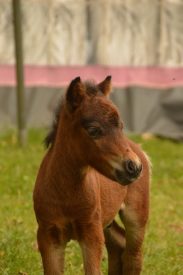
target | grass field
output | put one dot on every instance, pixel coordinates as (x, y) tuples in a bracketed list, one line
[(163, 248)]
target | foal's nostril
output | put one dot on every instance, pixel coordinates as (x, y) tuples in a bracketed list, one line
[(132, 169)]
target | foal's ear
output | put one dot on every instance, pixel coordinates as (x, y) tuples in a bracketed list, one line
[(75, 93), (105, 85)]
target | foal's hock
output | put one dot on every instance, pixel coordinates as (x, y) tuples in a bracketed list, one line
[(91, 172)]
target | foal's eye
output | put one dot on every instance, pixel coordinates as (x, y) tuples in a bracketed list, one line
[(94, 132)]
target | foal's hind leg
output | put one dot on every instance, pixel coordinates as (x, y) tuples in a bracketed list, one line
[(134, 232), (52, 251), (115, 244)]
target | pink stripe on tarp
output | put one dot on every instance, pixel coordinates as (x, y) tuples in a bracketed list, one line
[(60, 76)]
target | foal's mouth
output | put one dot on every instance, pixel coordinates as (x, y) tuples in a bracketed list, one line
[(128, 173), (123, 179)]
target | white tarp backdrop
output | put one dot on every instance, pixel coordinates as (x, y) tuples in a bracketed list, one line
[(110, 32), (54, 32)]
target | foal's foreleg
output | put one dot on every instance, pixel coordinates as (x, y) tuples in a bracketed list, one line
[(115, 244), (92, 242), (52, 251)]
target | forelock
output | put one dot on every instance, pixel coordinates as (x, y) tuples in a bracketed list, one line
[(92, 88)]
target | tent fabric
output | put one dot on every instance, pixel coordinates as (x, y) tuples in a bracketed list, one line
[(119, 36), (60, 76), (159, 112), (143, 110)]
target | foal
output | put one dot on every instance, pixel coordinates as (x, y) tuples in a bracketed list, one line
[(90, 172)]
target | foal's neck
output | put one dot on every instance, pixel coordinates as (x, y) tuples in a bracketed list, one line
[(67, 166)]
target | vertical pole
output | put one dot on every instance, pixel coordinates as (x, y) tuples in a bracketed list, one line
[(160, 34), (16, 4)]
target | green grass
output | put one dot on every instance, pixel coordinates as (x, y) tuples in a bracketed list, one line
[(163, 247)]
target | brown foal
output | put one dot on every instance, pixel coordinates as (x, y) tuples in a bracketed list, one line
[(91, 172)]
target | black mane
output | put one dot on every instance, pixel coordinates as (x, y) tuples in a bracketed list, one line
[(50, 138)]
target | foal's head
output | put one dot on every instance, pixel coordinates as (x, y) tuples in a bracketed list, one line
[(97, 131)]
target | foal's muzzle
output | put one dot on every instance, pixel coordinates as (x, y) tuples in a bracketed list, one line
[(132, 169), (129, 172)]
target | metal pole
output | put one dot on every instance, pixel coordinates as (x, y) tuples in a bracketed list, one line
[(19, 72)]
